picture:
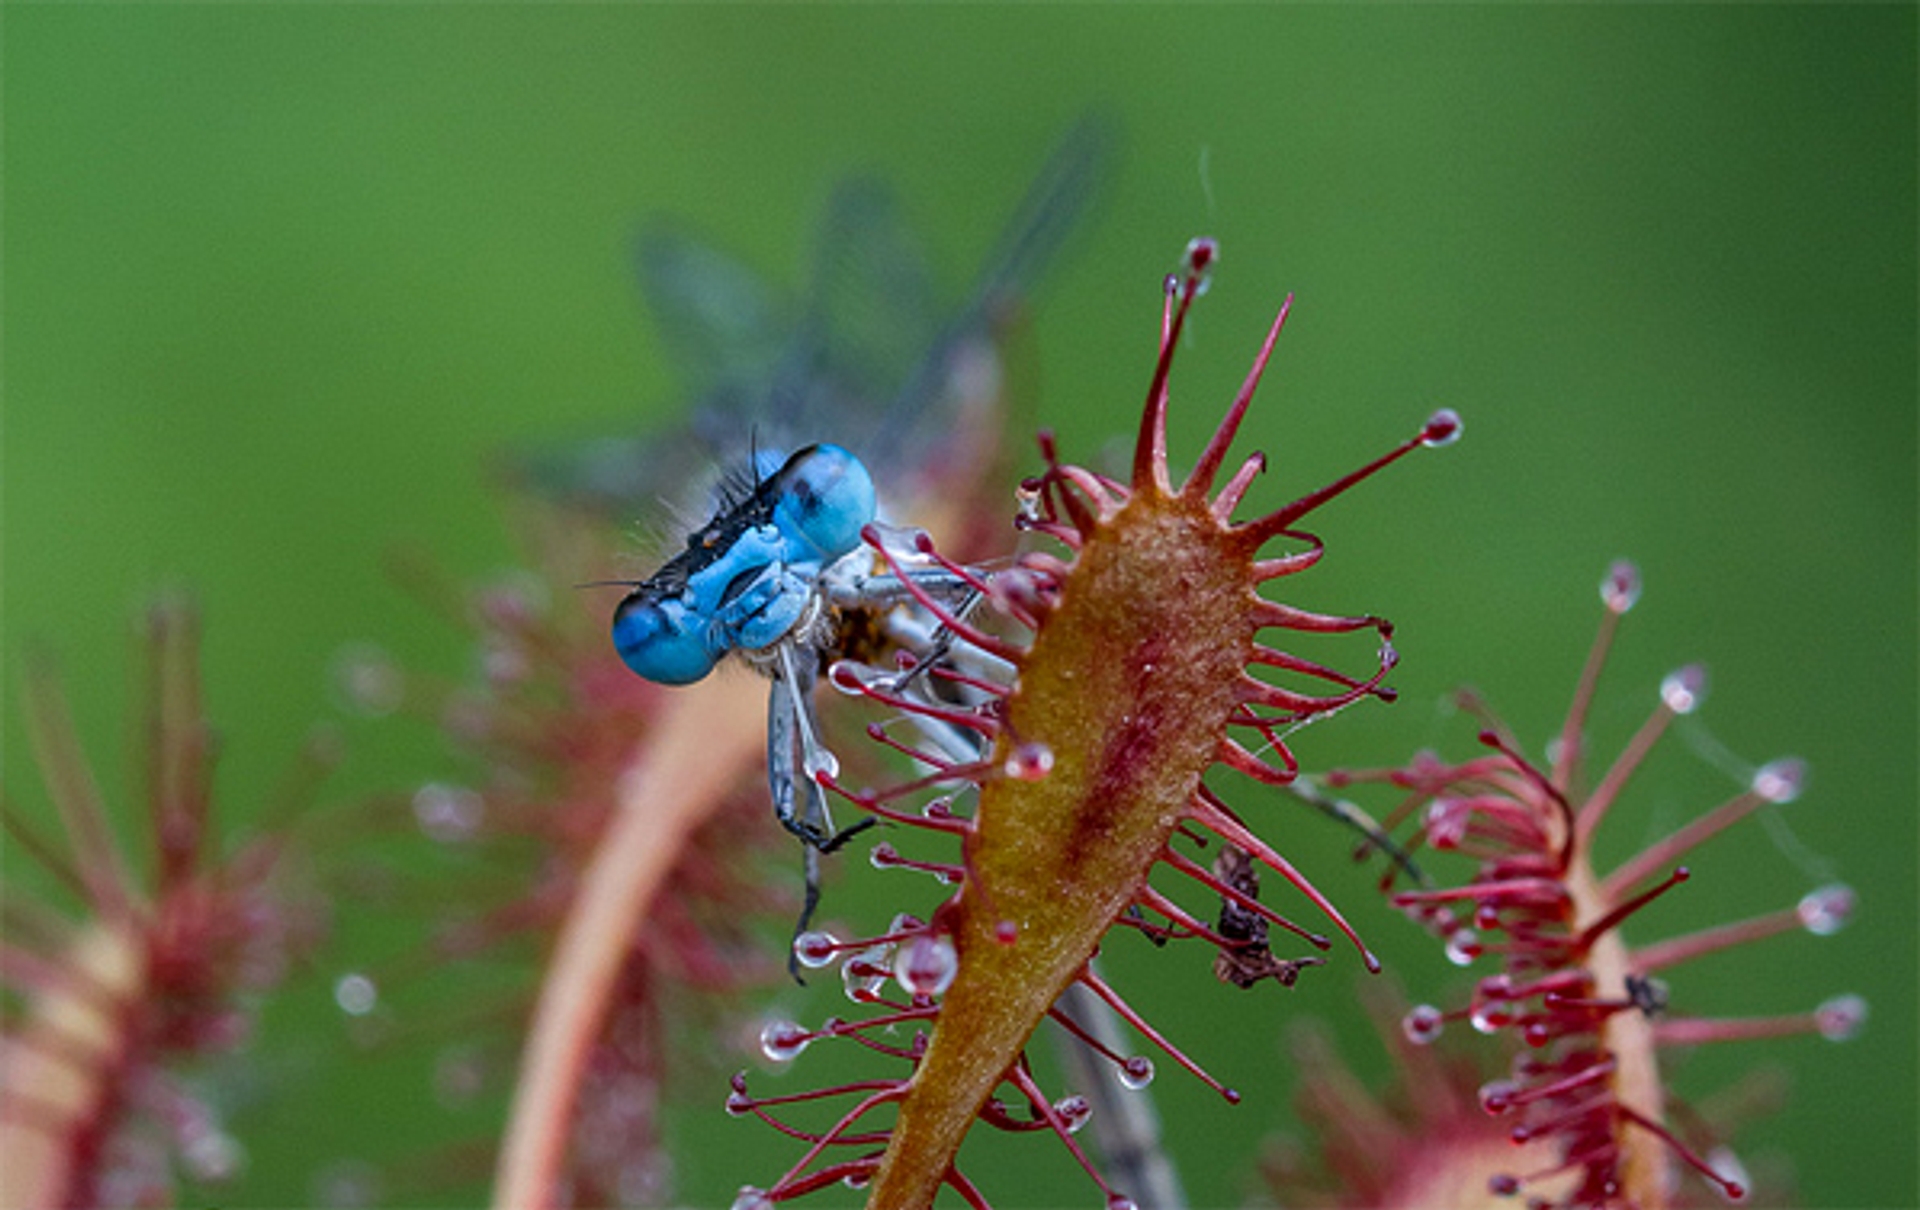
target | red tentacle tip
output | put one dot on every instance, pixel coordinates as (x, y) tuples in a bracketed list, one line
[(1443, 428), (1202, 251)]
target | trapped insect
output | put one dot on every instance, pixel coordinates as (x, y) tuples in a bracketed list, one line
[(780, 575), (786, 573)]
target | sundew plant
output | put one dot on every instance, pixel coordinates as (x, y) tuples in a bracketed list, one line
[(1051, 717), (846, 677)]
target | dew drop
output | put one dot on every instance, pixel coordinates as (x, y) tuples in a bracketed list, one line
[(1486, 918), (1779, 781), (1074, 1112), (1137, 1072), (1840, 1018), (448, 814), (1463, 946), (858, 1180), (782, 1041), (814, 950), (905, 922), (1120, 1201), (1422, 1024), (1684, 690), (1443, 428), (355, 994), (1620, 591), (1826, 911), (926, 965), (1536, 1034), (883, 856), (751, 1199), (1504, 1185), (1030, 762), (738, 1104)]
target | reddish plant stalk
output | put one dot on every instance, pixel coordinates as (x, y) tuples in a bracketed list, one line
[(153, 973), (1570, 987)]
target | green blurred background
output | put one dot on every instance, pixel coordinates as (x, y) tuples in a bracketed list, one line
[(278, 280)]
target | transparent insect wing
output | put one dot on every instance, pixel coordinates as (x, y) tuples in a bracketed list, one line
[(920, 411), (870, 315), (862, 356), (726, 331)]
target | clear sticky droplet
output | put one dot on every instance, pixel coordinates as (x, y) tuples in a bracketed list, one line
[(858, 1180), (1197, 262), (1496, 1096), (448, 814), (1029, 762), (1422, 1024), (356, 994), (817, 760), (1490, 1018), (751, 1199), (1826, 911), (368, 681), (213, 1157), (1727, 1166), (1620, 590), (1443, 428), (1840, 1018), (1684, 690), (1446, 822), (865, 973), (814, 950), (926, 965), (1120, 1201), (1137, 1072), (782, 1041), (1074, 1112), (459, 1076), (1463, 946), (1780, 781)]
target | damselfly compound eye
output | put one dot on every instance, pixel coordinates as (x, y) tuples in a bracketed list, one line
[(660, 641), (824, 497)]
